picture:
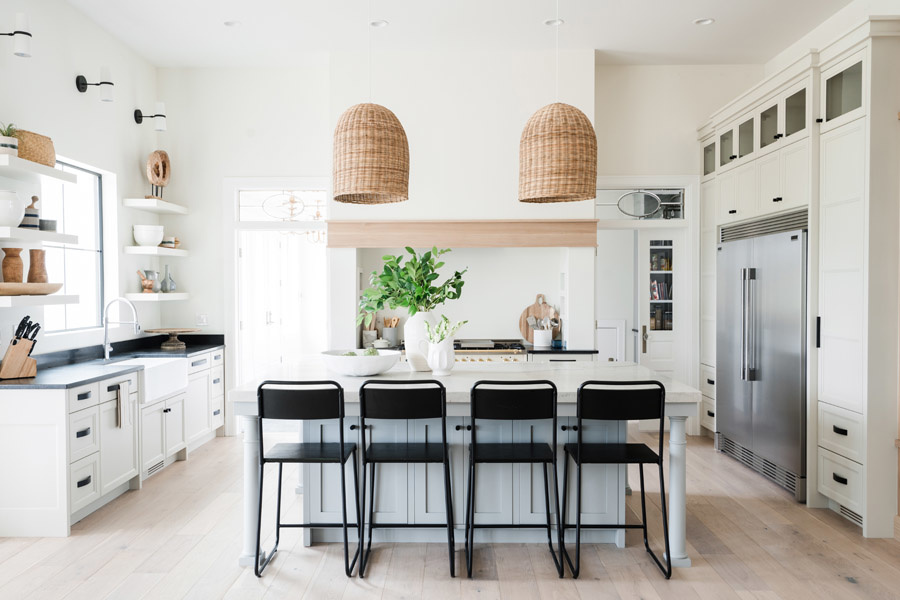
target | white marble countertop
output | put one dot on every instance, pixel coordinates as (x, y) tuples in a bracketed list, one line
[(566, 376)]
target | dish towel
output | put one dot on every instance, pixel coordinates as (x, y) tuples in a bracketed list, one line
[(121, 401)]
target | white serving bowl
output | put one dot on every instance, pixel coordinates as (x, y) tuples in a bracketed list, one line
[(148, 235), (360, 366)]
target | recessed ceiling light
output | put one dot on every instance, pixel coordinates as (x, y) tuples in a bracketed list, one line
[(704, 21), (232, 23), (554, 22), (379, 23)]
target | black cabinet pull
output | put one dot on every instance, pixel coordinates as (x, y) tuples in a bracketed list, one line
[(839, 479), (197, 363), (354, 427), (839, 430), (567, 427), (710, 381), (216, 380), (710, 413), (732, 157), (460, 427), (112, 388), (83, 433), (216, 412), (778, 199), (167, 410), (778, 136), (732, 212), (818, 332), (820, 120), (84, 396), (217, 357), (84, 482), (563, 360)]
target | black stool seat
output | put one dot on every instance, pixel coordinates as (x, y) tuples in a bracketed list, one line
[(309, 453), (405, 453), (612, 454), (513, 453)]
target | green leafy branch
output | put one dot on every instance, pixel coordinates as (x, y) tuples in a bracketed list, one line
[(410, 284)]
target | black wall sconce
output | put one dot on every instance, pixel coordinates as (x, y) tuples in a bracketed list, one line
[(159, 119), (105, 84), (21, 37)]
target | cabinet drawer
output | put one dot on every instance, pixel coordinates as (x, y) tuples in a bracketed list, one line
[(840, 479), (82, 397), (840, 431), (84, 433), (708, 414), (84, 482), (217, 382), (199, 362), (218, 412), (108, 388), (708, 381), (560, 357), (217, 357)]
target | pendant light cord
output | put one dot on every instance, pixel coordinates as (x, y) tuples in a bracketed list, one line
[(558, 25), (369, 26)]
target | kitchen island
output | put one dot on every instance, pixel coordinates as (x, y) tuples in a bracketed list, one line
[(412, 494)]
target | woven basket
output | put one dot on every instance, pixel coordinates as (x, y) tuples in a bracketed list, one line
[(36, 148), (371, 157), (558, 156)]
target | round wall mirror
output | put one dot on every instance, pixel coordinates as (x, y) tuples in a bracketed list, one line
[(639, 203)]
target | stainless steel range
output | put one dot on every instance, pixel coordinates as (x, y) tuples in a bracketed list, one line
[(509, 350)]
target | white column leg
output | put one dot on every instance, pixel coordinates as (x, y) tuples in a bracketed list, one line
[(677, 486), (251, 489)]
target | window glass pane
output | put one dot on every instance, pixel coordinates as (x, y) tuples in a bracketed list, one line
[(843, 92), (76, 208), (795, 113)]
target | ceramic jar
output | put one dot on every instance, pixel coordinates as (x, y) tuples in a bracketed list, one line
[(37, 268), (12, 265), (9, 145), (441, 357), (12, 208), (414, 341)]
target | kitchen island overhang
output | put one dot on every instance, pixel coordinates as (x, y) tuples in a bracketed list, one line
[(404, 496)]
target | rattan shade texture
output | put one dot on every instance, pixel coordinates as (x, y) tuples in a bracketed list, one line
[(558, 156), (371, 156)]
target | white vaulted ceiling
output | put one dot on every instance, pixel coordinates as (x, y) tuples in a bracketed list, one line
[(273, 32)]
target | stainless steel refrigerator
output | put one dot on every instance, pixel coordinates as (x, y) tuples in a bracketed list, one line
[(761, 355)]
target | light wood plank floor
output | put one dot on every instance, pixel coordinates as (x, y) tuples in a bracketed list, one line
[(180, 536)]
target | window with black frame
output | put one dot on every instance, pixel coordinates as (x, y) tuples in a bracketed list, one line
[(77, 209)]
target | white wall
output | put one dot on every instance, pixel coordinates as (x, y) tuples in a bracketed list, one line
[(646, 116), (39, 94)]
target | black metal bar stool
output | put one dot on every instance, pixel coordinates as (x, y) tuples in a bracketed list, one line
[(513, 401), (617, 401), (403, 400), (303, 401)]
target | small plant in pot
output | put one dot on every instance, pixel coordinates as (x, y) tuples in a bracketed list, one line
[(411, 284), (440, 345), (9, 143)]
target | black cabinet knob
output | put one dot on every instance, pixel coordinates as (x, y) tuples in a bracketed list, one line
[(820, 120), (778, 199), (567, 427), (354, 427), (460, 427), (732, 157), (732, 212)]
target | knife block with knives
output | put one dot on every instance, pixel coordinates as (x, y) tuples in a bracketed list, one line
[(17, 362)]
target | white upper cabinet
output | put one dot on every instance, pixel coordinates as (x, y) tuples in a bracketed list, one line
[(843, 92), (709, 159)]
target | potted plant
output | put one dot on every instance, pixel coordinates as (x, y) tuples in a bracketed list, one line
[(440, 345), (411, 284), (9, 143)]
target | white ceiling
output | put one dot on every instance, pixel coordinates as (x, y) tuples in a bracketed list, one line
[(177, 33)]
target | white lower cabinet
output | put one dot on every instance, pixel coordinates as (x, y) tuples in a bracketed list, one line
[(197, 412), (841, 479), (119, 450), (493, 482), (84, 433), (162, 432), (84, 482), (322, 483), (427, 480)]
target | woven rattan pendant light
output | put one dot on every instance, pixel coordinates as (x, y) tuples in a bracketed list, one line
[(557, 150), (371, 152)]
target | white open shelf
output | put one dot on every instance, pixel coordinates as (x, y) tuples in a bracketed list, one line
[(10, 235), (154, 251), (26, 170), (141, 297), (12, 301), (155, 205)]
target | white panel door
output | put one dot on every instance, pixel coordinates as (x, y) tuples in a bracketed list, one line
[(153, 435), (746, 182), (769, 183), (493, 482), (708, 273), (322, 483), (600, 490), (427, 481), (795, 175), (197, 411), (174, 417), (119, 445), (531, 504), (842, 266)]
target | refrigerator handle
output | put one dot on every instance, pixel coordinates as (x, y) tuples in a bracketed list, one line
[(751, 326), (744, 324)]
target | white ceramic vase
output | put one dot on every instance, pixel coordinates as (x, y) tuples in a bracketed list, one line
[(9, 145), (441, 357), (12, 208), (414, 341)]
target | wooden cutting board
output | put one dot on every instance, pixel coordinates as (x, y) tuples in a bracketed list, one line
[(538, 310)]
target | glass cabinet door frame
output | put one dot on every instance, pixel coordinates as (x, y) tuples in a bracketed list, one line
[(735, 128), (834, 68), (710, 140)]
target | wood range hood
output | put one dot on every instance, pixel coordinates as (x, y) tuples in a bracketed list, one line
[(497, 233)]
